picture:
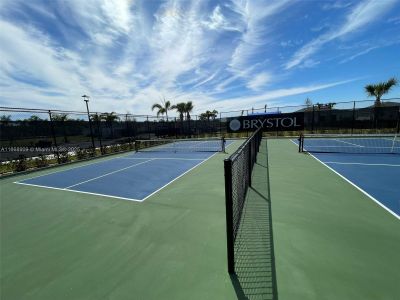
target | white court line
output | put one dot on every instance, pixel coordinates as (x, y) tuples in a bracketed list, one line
[(113, 172), (354, 185), (76, 191), (105, 195), (176, 178), (347, 143), (361, 164), (95, 161)]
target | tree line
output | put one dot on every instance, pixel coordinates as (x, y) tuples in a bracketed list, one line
[(184, 110)]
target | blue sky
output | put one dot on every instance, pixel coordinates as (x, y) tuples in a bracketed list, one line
[(221, 55)]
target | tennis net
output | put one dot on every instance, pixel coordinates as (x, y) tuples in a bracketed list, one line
[(342, 143), (181, 145), (238, 169)]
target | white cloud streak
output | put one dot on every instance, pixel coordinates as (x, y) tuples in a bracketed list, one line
[(358, 19), (127, 54)]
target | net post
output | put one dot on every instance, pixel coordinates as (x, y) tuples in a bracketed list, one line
[(301, 139), (229, 216)]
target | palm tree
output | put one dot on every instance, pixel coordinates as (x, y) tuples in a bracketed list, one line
[(379, 89), (162, 108), (209, 115), (188, 109), (213, 114), (180, 108)]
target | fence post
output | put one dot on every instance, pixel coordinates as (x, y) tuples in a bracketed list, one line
[(189, 127), (54, 137), (99, 133), (148, 126), (220, 124), (176, 129), (312, 121), (229, 215), (127, 126), (354, 115), (195, 127), (398, 120)]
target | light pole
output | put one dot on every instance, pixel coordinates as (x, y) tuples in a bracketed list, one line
[(86, 99)]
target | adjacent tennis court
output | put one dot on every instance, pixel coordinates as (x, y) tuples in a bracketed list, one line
[(371, 163), (134, 176)]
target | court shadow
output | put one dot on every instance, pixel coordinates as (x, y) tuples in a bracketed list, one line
[(254, 276)]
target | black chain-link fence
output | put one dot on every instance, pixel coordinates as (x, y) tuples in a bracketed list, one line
[(365, 116), (38, 137)]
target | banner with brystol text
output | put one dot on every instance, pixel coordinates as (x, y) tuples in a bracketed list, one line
[(269, 122)]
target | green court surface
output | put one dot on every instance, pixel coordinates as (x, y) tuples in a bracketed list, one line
[(330, 241)]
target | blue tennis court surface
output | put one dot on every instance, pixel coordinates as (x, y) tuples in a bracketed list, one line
[(135, 176), (376, 174)]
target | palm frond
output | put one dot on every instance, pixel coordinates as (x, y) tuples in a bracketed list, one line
[(389, 84), (370, 89), (156, 105)]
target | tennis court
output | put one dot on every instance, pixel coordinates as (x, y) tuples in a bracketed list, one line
[(371, 163), (329, 241), (135, 176)]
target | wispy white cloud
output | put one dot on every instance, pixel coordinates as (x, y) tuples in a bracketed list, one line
[(260, 80), (359, 18), (336, 5), (217, 21), (252, 15), (249, 101)]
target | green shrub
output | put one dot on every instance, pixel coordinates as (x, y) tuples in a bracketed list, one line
[(41, 161), (64, 157), (81, 154), (20, 164)]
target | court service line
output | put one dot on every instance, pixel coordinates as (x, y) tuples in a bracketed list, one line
[(354, 185), (176, 178), (76, 191), (113, 172), (361, 164)]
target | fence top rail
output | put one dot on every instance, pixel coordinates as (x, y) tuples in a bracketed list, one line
[(305, 106), (193, 117)]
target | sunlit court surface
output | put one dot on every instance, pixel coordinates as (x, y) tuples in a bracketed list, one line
[(370, 163), (199, 150), (134, 176)]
